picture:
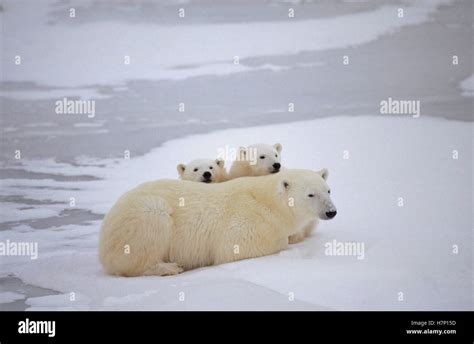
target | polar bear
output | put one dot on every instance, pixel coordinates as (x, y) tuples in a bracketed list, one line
[(167, 226), (309, 228), (263, 159), (256, 160), (203, 170)]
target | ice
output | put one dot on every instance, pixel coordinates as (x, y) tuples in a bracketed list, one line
[(422, 249), (63, 302), (82, 93), (467, 86), (159, 52), (8, 296), (15, 211)]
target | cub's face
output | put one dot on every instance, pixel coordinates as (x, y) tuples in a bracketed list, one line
[(310, 194), (203, 170), (264, 159)]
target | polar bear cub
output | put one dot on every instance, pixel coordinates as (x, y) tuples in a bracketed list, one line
[(203, 170), (256, 160), (167, 226)]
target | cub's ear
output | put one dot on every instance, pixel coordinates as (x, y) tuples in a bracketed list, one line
[(220, 163), (324, 173), (181, 168), (278, 147), (283, 186), (242, 153)]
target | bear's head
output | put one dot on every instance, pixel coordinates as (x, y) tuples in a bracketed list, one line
[(203, 170), (307, 194), (263, 159)]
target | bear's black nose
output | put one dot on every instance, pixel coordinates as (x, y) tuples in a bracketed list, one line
[(331, 214), (276, 166), (207, 174)]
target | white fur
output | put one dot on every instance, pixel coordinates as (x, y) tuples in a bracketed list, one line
[(163, 227), (245, 167), (195, 170), (251, 163), (309, 228)]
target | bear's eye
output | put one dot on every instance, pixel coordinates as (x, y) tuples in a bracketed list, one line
[(329, 191), (196, 169), (262, 156), (276, 155), (210, 167), (311, 195)]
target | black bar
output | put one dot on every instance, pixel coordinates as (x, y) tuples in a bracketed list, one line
[(454, 327)]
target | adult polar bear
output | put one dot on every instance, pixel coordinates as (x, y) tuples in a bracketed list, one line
[(165, 226)]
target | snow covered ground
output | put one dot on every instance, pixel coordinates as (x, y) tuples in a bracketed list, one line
[(403, 188)]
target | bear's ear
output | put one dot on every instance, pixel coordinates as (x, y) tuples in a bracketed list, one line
[(324, 173), (283, 186), (278, 147), (181, 168), (220, 162), (242, 153)]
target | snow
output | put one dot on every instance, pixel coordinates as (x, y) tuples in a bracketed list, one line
[(93, 53), (62, 302), (408, 249)]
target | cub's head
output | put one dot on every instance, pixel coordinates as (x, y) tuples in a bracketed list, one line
[(307, 194), (203, 170), (263, 159)]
